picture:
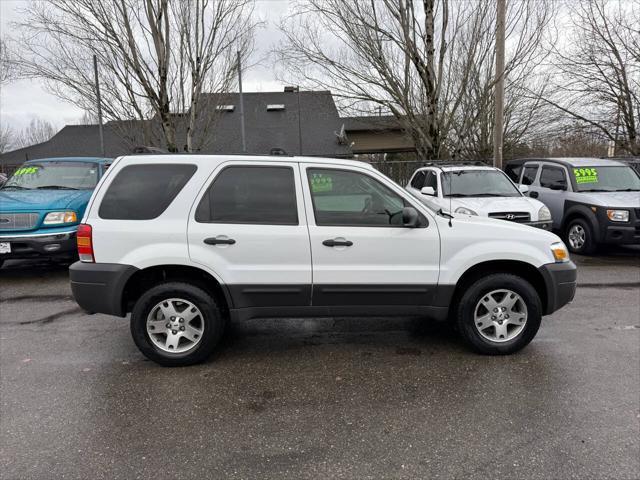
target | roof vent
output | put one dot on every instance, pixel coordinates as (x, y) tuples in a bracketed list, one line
[(226, 108), (274, 107)]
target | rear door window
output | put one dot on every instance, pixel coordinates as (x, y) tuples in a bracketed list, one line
[(529, 175), (432, 181), (251, 194), (418, 180), (143, 192)]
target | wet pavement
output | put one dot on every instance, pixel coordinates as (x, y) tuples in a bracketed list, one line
[(322, 398)]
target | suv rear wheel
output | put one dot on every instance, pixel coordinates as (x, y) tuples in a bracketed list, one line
[(176, 324), (499, 314), (579, 237)]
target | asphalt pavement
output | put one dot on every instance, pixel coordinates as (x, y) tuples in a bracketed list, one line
[(321, 398)]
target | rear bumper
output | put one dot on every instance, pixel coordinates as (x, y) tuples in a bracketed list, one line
[(39, 245), (560, 281), (99, 287)]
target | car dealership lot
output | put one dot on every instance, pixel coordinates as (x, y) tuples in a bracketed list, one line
[(344, 398)]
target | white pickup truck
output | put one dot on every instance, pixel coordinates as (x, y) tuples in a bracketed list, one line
[(186, 243)]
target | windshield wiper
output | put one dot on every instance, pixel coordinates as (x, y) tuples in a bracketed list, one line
[(457, 195), (596, 190), (55, 187), (628, 190), (18, 187)]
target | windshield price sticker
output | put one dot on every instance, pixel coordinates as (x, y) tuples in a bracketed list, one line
[(25, 171), (586, 175), (320, 183)]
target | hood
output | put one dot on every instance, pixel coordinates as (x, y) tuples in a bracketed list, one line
[(38, 200), (612, 199), (485, 205), (503, 229)]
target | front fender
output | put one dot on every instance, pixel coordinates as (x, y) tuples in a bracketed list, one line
[(574, 209), (456, 262)]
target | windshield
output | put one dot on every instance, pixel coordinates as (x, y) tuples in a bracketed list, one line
[(54, 176), (606, 179), (478, 183)]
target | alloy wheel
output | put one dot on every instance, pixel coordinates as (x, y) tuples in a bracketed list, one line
[(500, 315)]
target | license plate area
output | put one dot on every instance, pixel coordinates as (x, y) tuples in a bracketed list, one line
[(5, 247)]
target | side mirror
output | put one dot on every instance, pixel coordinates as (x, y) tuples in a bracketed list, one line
[(523, 188), (410, 217), (428, 191)]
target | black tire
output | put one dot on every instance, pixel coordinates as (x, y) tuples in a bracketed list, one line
[(465, 313), (589, 245), (213, 322)]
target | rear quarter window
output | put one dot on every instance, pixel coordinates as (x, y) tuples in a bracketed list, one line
[(143, 192)]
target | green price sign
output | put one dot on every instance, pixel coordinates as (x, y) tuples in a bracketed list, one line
[(586, 175), (25, 171), (321, 183)]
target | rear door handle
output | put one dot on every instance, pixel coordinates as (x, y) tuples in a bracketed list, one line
[(337, 243), (219, 241)]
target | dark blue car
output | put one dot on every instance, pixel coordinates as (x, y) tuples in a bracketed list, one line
[(42, 204)]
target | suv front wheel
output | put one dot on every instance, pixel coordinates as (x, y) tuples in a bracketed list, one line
[(176, 324), (499, 314), (579, 237)]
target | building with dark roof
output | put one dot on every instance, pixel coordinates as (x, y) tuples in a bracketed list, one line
[(304, 123)]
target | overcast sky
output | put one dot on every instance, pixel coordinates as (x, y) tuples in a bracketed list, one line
[(23, 100)]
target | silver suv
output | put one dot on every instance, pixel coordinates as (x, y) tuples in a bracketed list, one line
[(592, 201)]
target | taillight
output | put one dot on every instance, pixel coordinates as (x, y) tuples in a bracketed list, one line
[(85, 245)]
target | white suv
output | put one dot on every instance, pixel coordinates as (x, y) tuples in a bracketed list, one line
[(186, 243), (478, 190)]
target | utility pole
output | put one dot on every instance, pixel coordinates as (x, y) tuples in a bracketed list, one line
[(499, 85), (299, 123), (244, 143), (95, 72)]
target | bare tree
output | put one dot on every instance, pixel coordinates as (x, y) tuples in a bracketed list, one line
[(7, 69), (7, 138), (38, 131), (426, 62), (156, 57), (597, 70)]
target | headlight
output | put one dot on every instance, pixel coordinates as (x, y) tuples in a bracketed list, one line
[(618, 215), (465, 211), (560, 252), (544, 214), (56, 218)]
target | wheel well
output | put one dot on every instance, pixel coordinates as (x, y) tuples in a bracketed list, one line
[(143, 280), (514, 267)]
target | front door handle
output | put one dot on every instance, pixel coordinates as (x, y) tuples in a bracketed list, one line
[(533, 194), (337, 243), (219, 241)]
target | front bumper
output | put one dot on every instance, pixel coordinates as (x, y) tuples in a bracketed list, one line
[(620, 233), (38, 245), (548, 225), (99, 287), (560, 282)]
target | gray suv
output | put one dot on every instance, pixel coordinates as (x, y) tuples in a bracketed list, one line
[(592, 201)]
